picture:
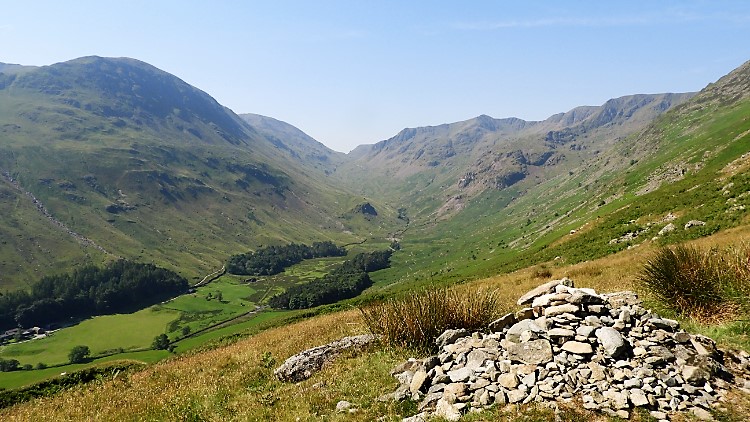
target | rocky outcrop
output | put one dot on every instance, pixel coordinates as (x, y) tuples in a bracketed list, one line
[(366, 209), (605, 349), (303, 365)]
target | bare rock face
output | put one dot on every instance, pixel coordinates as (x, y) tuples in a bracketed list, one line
[(605, 349), (302, 365)]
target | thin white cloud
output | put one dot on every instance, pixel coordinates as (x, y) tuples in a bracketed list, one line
[(674, 16)]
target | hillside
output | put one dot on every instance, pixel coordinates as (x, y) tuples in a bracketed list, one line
[(119, 154), (458, 161)]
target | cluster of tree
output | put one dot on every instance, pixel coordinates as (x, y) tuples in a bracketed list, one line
[(79, 354), (119, 286), (274, 259), (344, 282), (7, 365)]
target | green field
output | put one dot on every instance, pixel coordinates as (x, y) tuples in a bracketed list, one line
[(224, 307), (103, 335), (16, 379)]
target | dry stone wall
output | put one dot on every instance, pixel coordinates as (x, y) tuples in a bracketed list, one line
[(571, 342)]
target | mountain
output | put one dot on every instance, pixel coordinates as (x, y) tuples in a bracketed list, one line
[(452, 163), (298, 143), (111, 157), (487, 195)]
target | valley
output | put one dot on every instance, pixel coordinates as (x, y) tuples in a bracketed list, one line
[(104, 159)]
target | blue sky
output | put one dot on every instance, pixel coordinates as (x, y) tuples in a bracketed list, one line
[(354, 72)]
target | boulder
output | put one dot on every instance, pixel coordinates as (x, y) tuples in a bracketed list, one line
[(302, 365)]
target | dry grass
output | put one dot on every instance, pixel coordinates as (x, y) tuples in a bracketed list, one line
[(416, 319), (709, 286), (235, 382), (230, 383)]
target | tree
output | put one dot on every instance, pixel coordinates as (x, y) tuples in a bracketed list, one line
[(8, 365), (161, 342), (79, 354)]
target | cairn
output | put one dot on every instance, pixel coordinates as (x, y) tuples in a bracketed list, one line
[(567, 343)]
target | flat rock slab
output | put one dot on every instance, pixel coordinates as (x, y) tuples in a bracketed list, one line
[(532, 352), (545, 288), (303, 365), (577, 347)]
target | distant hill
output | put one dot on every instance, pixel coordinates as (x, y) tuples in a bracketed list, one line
[(112, 157), (300, 145), (467, 158)]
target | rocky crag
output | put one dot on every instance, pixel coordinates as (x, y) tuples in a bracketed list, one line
[(574, 344)]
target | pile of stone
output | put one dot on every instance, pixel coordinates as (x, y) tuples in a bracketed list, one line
[(567, 343)]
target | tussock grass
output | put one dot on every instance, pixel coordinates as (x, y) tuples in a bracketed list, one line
[(706, 285), (541, 272), (416, 319)]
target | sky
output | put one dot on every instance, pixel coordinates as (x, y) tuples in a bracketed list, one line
[(351, 72)]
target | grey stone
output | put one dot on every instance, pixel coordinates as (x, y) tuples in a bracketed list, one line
[(500, 398), (585, 330), (597, 372), (681, 337), (417, 381), (514, 332), (419, 417), (461, 374), (476, 358), (303, 365), (543, 300), (508, 380), (529, 380), (577, 347), (343, 406), (664, 324), (638, 398), (545, 288), (533, 352), (485, 399), (561, 309), (560, 332), (524, 313), (611, 340), (504, 321), (620, 299), (702, 414), (694, 223), (527, 335), (515, 396), (450, 337), (694, 375), (666, 229), (581, 298), (447, 410)]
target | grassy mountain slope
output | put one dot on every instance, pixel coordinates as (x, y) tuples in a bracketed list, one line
[(605, 192), (689, 163), (151, 168), (437, 170)]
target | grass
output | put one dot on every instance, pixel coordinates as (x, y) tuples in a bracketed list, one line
[(16, 379), (708, 286), (102, 334), (233, 382), (415, 320), (119, 334)]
